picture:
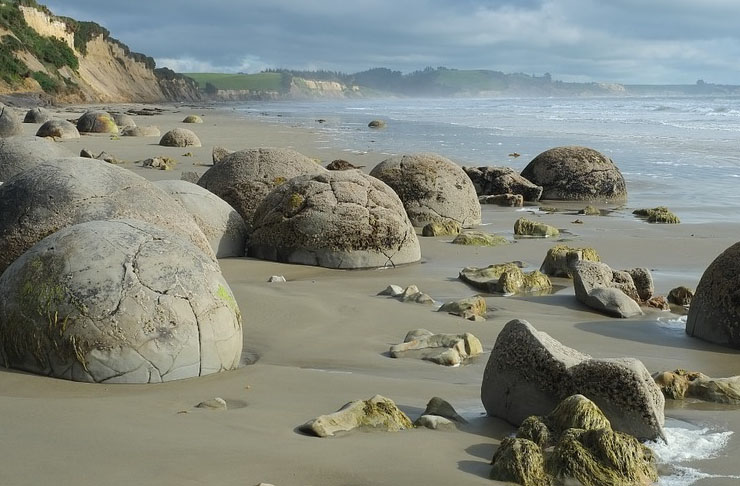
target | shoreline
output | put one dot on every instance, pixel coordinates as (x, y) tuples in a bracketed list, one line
[(320, 340)]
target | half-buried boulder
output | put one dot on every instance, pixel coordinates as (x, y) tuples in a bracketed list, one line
[(192, 119), (123, 120), (502, 180), (432, 188), (377, 412), (10, 124), (244, 178), (180, 137), (505, 278), (117, 302), (37, 115), (338, 219), (147, 131), (714, 314), (599, 287), (529, 373), (576, 174), (21, 153), (97, 122), (58, 129), (220, 223), (63, 192)]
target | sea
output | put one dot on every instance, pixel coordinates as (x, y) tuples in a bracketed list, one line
[(679, 151)]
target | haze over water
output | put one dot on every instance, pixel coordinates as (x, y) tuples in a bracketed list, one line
[(681, 152)]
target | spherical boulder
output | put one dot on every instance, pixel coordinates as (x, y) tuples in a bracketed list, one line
[(37, 115), (337, 219), (220, 223), (59, 193), (714, 314), (61, 129), (244, 178), (576, 174), (10, 124), (432, 188), (192, 119), (148, 131), (20, 153), (123, 120), (117, 302), (97, 122), (180, 137)]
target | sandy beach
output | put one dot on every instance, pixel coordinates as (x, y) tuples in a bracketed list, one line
[(321, 340)]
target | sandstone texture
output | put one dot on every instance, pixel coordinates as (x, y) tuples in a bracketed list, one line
[(21, 153), (180, 137)]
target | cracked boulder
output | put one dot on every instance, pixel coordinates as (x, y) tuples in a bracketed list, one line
[(529, 373), (97, 121), (714, 314), (21, 153), (117, 302), (432, 188), (501, 181), (180, 137), (221, 224), (576, 174), (244, 178), (337, 219), (63, 192), (58, 129)]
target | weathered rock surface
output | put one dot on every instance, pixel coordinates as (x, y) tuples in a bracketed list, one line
[(479, 238), (219, 153), (506, 200), (117, 302), (576, 174), (123, 120), (392, 291), (441, 228), (97, 121), (341, 164), (337, 219), (661, 214), (63, 192), (643, 280), (502, 180), (471, 306), (680, 296), (147, 131), (529, 373), (377, 412), (244, 178), (440, 407), (714, 314), (432, 188), (590, 211), (434, 422), (680, 384), (444, 349), (526, 227), (21, 153), (180, 137), (10, 124), (519, 461), (161, 163), (221, 224), (560, 259), (37, 115), (192, 177), (505, 278), (58, 129), (601, 288), (192, 119)]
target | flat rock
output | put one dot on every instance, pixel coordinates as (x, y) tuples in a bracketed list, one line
[(216, 403), (434, 422), (392, 290), (505, 278), (377, 412), (444, 349), (661, 214), (147, 131), (505, 200)]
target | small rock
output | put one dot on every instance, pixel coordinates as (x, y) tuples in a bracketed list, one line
[(444, 349), (440, 407), (561, 258), (681, 296), (658, 302), (216, 403), (590, 211), (409, 291), (434, 422), (599, 287), (661, 214), (276, 279), (419, 298), (192, 119), (392, 290), (161, 163), (643, 280), (376, 124), (378, 412), (680, 384), (219, 153), (525, 227), (441, 228), (479, 238), (340, 164), (505, 200), (505, 278), (577, 221), (471, 306), (86, 154), (190, 176)]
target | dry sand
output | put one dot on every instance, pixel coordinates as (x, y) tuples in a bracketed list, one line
[(320, 340)]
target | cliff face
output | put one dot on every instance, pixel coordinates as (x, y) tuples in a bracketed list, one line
[(105, 70)]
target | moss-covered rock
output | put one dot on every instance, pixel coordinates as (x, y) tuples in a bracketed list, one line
[(680, 296), (192, 119), (507, 278), (535, 429), (590, 211), (576, 412), (441, 228), (525, 227), (679, 384), (519, 461), (377, 412), (560, 259), (661, 214), (479, 238), (475, 306)]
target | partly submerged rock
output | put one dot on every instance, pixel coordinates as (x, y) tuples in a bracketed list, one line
[(161, 163), (376, 124), (505, 200), (97, 121), (58, 129), (505, 278), (590, 211), (479, 238), (216, 403), (525, 227), (502, 181), (661, 214), (37, 115), (377, 412), (560, 259), (341, 164), (147, 131), (192, 119), (434, 422), (392, 290), (440, 407)]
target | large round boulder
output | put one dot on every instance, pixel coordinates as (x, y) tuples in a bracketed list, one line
[(432, 188), (97, 122), (61, 129), (63, 192), (576, 174), (147, 131), (21, 153), (10, 124), (123, 120), (714, 314), (337, 219), (117, 302), (220, 223), (244, 178), (180, 137), (37, 115)]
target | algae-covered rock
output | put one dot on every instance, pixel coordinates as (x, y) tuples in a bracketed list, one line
[(505, 200), (377, 412), (561, 258), (680, 296), (590, 211), (441, 228), (506, 278), (577, 412), (519, 461), (475, 305), (661, 214), (680, 384), (479, 238), (525, 227), (192, 119), (535, 429)]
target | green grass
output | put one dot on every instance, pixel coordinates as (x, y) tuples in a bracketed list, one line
[(251, 82)]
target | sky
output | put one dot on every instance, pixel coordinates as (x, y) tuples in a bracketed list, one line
[(621, 41)]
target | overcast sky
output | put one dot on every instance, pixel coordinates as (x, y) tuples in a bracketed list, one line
[(627, 41)]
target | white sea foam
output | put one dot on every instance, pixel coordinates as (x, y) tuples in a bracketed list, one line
[(673, 323)]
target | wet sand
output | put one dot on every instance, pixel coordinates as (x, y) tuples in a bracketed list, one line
[(320, 340)]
